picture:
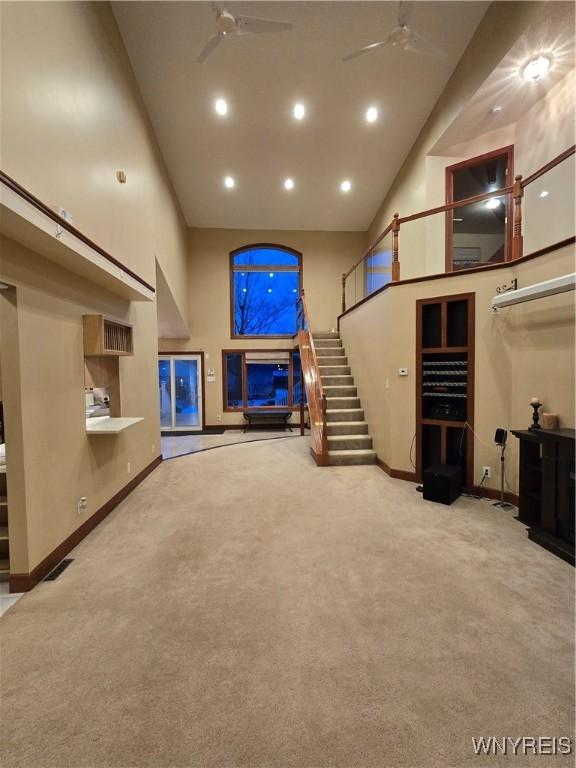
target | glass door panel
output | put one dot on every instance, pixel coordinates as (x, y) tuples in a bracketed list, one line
[(186, 382), (165, 391), (180, 389)]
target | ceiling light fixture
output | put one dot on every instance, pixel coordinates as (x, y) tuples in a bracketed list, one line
[(345, 186), (544, 193), (492, 203), (221, 106), (371, 114), (229, 182), (536, 68), (288, 183), (496, 110), (299, 111)]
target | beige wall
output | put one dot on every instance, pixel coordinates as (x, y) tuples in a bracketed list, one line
[(521, 352), (326, 255), (72, 117), (61, 462)]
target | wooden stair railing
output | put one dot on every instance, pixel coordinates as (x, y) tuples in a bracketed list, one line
[(313, 385)]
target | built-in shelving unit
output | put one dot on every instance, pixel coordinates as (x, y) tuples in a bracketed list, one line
[(445, 382)]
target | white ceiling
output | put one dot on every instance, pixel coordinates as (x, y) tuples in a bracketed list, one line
[(261, 76)]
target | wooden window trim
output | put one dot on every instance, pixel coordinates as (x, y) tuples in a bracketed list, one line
[(261, 268), (507, 151), (245, 407)]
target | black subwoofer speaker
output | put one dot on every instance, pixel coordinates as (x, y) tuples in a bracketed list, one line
[(442, 483)]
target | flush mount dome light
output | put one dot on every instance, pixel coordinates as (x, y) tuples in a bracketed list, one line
[(346, 186), (229, 182), (299, 111), (534, 69), (492, 203), (221, 107), (372, 114), (288, 184)]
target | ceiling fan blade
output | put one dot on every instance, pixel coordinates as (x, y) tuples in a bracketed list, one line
[(418, 44), (209, 48), (405, 13), (247, 25), (362, 51)]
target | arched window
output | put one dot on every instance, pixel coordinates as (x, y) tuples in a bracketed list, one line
[(265, 282)]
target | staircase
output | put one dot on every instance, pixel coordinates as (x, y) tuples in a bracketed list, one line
[(348, 438)]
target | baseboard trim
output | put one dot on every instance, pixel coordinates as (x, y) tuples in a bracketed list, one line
[(399, 474), (23, 582)]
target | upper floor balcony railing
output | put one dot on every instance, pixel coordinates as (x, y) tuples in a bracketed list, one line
[(498, 226)]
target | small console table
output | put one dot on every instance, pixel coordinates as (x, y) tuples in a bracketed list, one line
[(547, 488)]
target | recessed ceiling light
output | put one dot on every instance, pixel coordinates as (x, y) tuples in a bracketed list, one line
[(229, 182), (536, 68), (371, 114), (492, 203), (544, 193), (496, 110), (288, 183), (221, 106), (299, 111), (345, 186)]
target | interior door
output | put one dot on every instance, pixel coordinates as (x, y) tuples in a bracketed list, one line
[(180, 392)]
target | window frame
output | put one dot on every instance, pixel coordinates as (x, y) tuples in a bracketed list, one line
[(261, 268), (508, 152), (245, 407)]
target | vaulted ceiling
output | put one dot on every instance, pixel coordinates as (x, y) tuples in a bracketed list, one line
[(259, 142)]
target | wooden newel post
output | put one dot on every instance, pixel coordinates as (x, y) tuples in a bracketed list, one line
[(324, 433), (343, 292), (395, 262), (517, 239)]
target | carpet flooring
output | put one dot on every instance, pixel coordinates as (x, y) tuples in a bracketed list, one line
[(243, 608)]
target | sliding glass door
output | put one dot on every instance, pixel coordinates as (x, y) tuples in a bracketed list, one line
[(180, 391)]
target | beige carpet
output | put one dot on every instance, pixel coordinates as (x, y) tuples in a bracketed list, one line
[(244, 608)]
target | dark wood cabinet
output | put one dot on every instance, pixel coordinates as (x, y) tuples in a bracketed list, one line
[(547, 488), (445, 383)]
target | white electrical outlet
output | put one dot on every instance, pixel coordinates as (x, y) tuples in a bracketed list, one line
[(487, 472), (82, 505), (402, 371), (219, 417), (128, 468)]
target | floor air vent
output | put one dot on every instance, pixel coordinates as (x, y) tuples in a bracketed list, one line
[(60, 568)]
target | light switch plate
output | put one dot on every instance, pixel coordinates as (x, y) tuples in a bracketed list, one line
[(402, 371)]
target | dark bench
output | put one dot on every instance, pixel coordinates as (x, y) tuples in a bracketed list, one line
[(276, 418)]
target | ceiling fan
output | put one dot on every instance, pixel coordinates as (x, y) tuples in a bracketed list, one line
[(227, 24), (403, 36)]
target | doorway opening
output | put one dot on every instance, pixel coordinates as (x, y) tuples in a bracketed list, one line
[(180, 388), (479, 233)]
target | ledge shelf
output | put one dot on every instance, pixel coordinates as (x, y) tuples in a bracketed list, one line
[(30, 222), (106, 425)]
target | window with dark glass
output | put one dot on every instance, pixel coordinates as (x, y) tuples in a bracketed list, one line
[(261, 379), (265, 284)]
